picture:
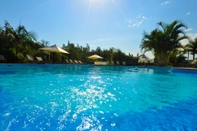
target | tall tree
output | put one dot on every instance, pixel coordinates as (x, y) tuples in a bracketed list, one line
[(163, 40), (44, 43), (192, 47), (16, 39)]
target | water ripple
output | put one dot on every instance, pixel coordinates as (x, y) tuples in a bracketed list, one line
[(97, 98)]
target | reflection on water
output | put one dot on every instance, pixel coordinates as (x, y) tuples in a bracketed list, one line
[(84, 97)]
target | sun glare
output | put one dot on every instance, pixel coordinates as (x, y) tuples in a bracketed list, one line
[(93, 3), (96, 2)]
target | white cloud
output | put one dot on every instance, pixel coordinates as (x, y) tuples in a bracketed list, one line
[(100, 39), (185, 41), (117, 24), (107, 39), (137, 21), (103, 39), (188, 13), (192, 36), (164, 3), (188, 29)]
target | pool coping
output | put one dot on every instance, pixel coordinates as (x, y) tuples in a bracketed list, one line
[(180, 68), (185, 68)]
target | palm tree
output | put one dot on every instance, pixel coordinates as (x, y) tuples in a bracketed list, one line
[(192, 47), (185, 50), (1, 39), (9, 32), (22, 35), (18, 37), (153, 42), (44, 43), (163, 40)]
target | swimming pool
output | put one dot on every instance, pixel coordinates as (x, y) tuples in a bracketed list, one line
[(85, 97)]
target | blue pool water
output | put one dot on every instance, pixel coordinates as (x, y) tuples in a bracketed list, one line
[(97, 98)]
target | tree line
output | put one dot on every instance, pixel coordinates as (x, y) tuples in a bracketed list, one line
[(164, 42), (16, 43)]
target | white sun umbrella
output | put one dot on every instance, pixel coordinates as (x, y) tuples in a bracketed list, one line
[(54, 48), (95, 57), (143, 58), (194, 61)]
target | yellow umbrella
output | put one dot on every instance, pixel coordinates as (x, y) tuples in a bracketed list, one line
[(54, 48), (95, 57)]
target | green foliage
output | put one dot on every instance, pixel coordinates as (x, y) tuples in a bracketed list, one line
[(119, 56), (192, 47), (20, 57), (163, 40), (16, 43), (13, 43), (176, 57), (12, 51)]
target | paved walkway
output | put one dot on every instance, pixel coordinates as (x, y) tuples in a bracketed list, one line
[(185, 68)]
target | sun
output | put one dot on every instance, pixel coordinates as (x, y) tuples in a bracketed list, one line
[(95, 5), (96, 2)]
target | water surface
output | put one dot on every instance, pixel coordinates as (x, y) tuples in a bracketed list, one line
[(86, 97)]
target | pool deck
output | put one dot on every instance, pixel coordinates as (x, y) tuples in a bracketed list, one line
[(185, 68)]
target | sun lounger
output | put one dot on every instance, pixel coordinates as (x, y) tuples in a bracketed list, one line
[(117, 63), (2, 58), (80, 62), (67, 61), (112, 63), (39, 59), (100, 63), (71, 61), (29, 57), (32, 60), (123, 63), (76, 62)]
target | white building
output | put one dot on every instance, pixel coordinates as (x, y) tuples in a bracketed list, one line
[(144, 59)]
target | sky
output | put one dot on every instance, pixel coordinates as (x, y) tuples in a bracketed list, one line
[(99, 23)]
